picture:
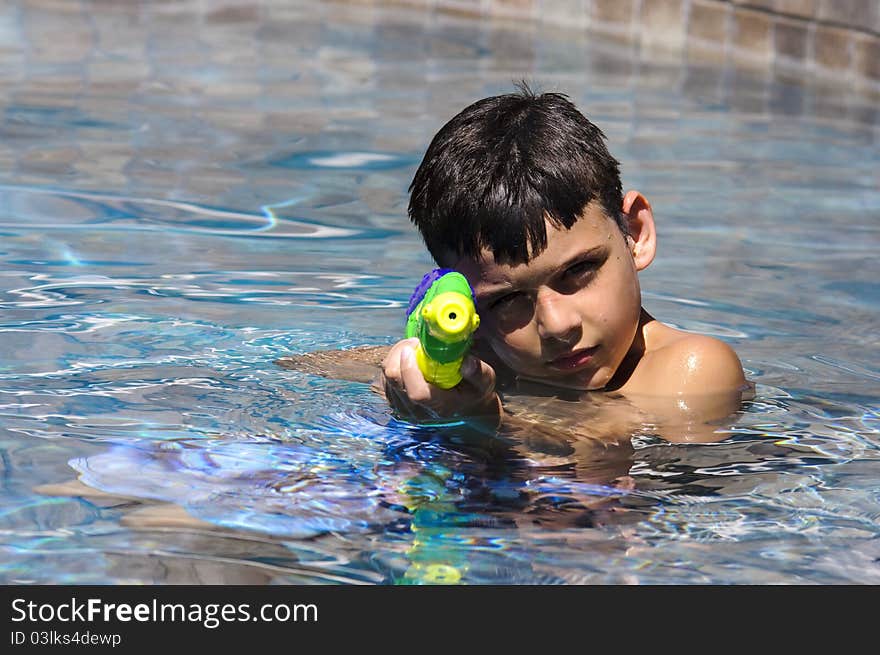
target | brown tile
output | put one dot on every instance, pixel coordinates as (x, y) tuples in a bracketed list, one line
[(614, 11), (701, 53), (617, 18), (800, 8), (853, 13), (791, 39), (709, 21), (512, 8), (462, 7), (831, 48), (752, 34), (760, 4), (663, 22), (866, 56), (226, 15)]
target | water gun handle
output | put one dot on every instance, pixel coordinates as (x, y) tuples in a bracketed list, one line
[(443, 316)]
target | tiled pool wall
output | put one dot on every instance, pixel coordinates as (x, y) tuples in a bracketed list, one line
[(836, 41)]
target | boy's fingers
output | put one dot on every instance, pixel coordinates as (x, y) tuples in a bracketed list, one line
[(397, 398), (391, 363), (391, 367), (414, 384)]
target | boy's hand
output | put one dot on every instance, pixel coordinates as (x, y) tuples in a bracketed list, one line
[(412, 397)]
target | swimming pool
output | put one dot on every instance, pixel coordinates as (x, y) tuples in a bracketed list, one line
[(188, 194)]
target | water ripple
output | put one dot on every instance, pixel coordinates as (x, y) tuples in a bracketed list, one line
[(284, 288), (353, 160), (55, 209)]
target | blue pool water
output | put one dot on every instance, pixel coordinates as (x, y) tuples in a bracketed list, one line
[(188, 193)]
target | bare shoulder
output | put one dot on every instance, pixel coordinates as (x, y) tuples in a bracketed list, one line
[(695, 364), (691, 384)]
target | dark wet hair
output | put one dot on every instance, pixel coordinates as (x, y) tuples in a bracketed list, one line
[(494, 170)]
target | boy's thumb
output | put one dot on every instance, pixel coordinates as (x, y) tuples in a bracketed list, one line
[(478, 374)]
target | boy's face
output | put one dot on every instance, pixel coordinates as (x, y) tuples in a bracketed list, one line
[(569, 316)]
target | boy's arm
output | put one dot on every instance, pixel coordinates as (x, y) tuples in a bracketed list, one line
[(360, 364)]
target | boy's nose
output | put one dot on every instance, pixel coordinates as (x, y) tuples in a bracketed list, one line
[(556, 317)]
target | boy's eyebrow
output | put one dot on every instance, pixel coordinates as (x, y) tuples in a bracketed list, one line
[(503, 288), (596, 250)]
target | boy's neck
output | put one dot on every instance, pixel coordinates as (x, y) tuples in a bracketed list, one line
[(633, 355)]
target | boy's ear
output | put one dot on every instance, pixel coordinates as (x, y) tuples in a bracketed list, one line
[(642, 238)]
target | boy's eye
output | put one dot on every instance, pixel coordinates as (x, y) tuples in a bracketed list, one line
[(511, 306), (511, 311), (504, 301), (586, 267)]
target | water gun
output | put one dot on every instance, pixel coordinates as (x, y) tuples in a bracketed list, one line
[(442, 314)]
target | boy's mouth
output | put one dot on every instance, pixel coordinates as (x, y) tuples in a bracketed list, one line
[(573, 360)]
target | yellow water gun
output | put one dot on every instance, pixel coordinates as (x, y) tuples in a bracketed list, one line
[(442, 314)]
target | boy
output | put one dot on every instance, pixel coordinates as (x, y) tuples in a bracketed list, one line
[(519, 193)]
